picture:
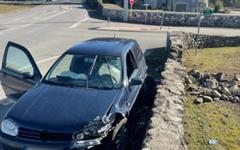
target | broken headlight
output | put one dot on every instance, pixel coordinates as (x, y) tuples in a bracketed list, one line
[(95, 129)]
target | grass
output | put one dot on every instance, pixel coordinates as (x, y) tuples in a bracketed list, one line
[(225, 59), (220, 121), (215, 120), (5, 8)]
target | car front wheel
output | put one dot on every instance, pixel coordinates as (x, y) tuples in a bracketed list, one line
[(117, 139)]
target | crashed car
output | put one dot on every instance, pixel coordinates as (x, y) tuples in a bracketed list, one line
[(83, 101)]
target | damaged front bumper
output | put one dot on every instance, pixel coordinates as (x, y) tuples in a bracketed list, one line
[(92, 134), (87, 144)]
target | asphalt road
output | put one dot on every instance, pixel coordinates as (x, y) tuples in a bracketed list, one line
[(47, 31)]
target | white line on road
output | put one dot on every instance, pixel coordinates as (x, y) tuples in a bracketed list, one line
[(50, 17), (78, 23), (18, 19), (48, 59), (43, 19), (75, 25), (81, 21), (26, 25), (40, 62)]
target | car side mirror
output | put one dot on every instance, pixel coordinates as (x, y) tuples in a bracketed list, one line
[(135, 81), (27, 75)]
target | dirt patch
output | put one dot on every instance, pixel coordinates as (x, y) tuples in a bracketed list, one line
[(6, 8)]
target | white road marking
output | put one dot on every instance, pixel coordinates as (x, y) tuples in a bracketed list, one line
[(26, 25), (81, 21), (17, 19), (40, 62), (75, 25), (40, 20), (48, 59), (55, 15)]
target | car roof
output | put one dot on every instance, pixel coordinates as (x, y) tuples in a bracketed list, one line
[(102, 46)]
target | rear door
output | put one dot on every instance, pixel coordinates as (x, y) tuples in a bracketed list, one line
[(19, 71)]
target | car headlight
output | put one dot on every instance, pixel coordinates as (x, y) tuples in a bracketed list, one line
[(94, 129), (9, 127)]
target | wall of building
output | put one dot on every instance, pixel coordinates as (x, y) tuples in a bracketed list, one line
[(173, 18)]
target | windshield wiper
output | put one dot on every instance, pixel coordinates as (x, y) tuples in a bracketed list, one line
[(59, 83), (91, 69)]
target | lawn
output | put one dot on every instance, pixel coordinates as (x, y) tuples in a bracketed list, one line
[(215, 120), (10, 8), (225, 59)]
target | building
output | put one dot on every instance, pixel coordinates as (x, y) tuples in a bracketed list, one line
[(178, 5)]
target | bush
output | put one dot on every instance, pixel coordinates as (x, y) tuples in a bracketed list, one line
[(227, 11), (218, 6)]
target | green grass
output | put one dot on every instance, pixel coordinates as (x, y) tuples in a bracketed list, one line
[(214, 120), (225, 59), (5, 8)]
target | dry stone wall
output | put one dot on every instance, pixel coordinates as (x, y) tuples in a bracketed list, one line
[(165, 130), (173, 18)]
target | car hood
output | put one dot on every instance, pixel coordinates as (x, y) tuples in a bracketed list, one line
[(65, 109)]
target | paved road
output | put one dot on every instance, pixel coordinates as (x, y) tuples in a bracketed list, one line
[(47, 31), (122, 27)]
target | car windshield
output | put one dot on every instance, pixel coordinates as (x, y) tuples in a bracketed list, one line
[(86, 71)]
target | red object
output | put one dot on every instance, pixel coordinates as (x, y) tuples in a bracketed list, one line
[(131, 2)]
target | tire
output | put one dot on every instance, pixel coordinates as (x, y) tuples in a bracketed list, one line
[(149, 88), (117, 139)]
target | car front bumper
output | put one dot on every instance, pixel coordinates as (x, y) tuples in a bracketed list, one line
[(21, 144)]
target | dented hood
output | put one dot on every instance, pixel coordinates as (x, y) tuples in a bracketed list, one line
[(65, 109)]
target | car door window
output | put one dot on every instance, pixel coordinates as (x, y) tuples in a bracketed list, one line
[(17, 61), (131, 64)]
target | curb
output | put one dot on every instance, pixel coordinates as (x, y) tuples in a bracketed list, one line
[(128, 30)]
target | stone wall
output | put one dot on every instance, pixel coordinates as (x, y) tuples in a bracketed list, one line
[(173, 18), (183, 40), (166, 130), (205, 41)]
